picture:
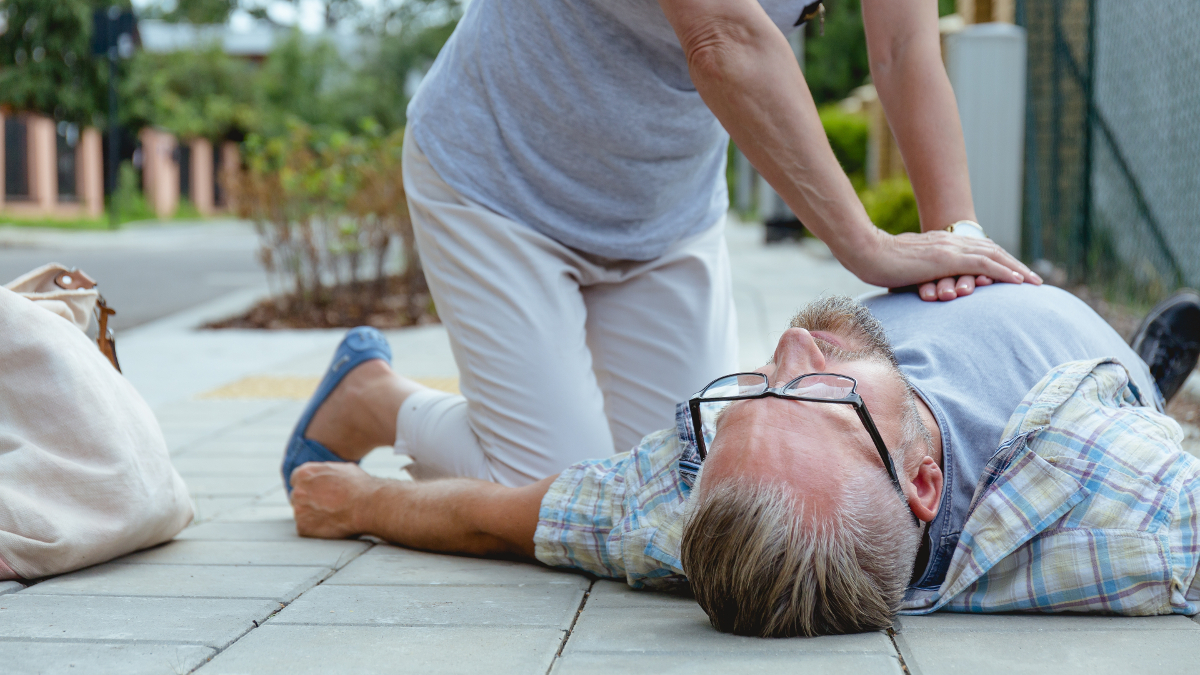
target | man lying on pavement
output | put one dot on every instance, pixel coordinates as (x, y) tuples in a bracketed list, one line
[(1003, 452)]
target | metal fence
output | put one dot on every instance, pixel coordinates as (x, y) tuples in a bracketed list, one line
[(1112, 157)]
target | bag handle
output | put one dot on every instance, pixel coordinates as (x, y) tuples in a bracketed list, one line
[(74, 279)]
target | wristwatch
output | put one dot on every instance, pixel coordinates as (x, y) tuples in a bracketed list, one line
[(967, 228)]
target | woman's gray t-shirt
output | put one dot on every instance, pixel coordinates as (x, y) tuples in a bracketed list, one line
[(973, 360), (578, 118)]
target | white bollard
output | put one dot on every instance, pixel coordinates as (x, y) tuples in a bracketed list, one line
[(986, 65)]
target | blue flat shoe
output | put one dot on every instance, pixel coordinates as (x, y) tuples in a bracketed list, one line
[(360, 345)]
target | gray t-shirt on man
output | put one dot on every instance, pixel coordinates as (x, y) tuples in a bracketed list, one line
[(973, 360), (578, 118)]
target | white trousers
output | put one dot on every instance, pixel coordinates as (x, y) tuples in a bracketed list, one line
[(562, 356)]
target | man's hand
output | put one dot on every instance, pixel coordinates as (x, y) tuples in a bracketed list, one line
[(327, 499), (908, 259), (951, 288)]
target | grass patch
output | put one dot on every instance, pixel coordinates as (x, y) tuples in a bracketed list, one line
[(131, 207)]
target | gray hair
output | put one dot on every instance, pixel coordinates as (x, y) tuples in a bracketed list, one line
[(760, 564), (761, 561)]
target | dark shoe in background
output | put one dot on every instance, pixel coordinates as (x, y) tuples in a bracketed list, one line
[(1169, 340)]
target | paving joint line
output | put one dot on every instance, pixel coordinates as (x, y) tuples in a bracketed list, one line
[(571, 629), (104, 641), (282, 605), (891, 633), (224, 429)]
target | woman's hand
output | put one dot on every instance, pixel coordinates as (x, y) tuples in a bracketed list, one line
[(946, 266)]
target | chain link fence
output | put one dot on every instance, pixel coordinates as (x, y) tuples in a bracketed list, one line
[(1112, 157)]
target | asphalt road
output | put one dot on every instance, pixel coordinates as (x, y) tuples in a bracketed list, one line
[(145, 273)]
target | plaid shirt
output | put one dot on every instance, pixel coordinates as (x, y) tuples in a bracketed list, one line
[(1088, 505)]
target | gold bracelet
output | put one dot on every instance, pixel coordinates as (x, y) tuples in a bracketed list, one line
[(967, 228)]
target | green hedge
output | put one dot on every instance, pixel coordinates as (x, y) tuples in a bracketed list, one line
[(892, 206), (848, 134)]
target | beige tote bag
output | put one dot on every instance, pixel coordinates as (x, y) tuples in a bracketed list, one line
[(84, 471)]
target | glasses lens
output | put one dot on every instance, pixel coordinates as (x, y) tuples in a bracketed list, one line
[(709, 411), (746, 384), (830, 387)]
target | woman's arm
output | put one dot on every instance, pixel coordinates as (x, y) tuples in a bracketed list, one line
[(906, 66), (744, 70)]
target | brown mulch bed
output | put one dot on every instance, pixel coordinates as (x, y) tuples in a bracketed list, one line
[(344, 307)]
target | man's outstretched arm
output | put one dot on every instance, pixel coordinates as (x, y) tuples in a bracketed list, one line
[(334, 501)]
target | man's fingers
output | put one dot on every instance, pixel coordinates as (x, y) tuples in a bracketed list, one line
[(945, 289), (965, 286), (928, 292), (983, 281)]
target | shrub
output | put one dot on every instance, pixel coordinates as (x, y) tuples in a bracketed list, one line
[(847, 134), (892, 206), (332, 217)]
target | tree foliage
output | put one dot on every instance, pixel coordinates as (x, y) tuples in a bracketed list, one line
[(201, 11), (204, 93), (836, 62), (46, 66), (45, 59)]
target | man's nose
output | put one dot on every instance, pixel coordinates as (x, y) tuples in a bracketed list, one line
[(796, 354)]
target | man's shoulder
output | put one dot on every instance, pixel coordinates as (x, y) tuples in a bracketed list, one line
[(1086, 469), (997, 295)]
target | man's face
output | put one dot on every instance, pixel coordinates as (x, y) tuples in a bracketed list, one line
[(813, 446)]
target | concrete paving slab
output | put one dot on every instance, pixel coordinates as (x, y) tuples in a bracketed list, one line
[(546, 605), (304, 553), (257, 512), (392, 565), (683, 663), (385, 463), (278, 583), (226, 445), (219, 485), (229, 464), (417, 352), (947, 622), (169, 363), (273, 530), (199, 621), (276, 497), (367, 650), (208, 508), (7, 587), (614, 619), (1046, 650), (75, 658)]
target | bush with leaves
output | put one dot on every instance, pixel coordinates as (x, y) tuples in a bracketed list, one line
[(333, 224), (892, 206), (848, 134)]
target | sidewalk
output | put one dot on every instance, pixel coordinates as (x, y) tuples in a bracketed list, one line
[(239, 592)]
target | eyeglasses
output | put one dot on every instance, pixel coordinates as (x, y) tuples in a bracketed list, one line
[(706, 405)]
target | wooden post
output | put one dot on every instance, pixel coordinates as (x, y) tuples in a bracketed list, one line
[(883, 155), (986, 11), (231, 161), (202, 175), (89, 172)]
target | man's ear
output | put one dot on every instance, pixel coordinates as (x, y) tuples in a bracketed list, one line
[(925, 492)]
